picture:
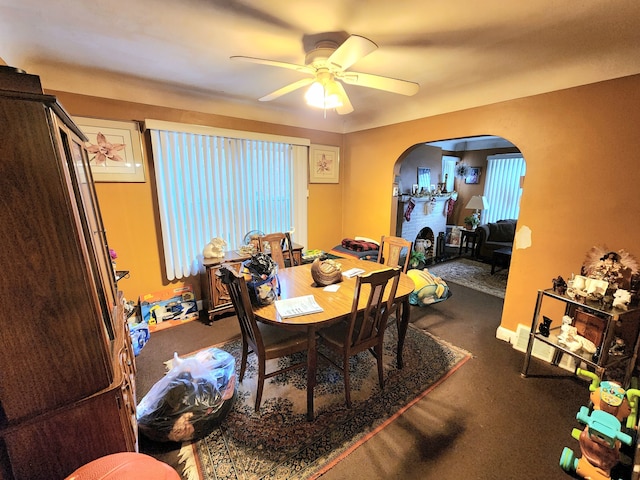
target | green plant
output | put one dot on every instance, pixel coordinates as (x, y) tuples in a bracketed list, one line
[(472, 220), (417, 258)]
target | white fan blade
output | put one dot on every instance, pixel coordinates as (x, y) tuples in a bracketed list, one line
[(346, 103), (273, 63), (394, 85), (287, 89), (353, 49)]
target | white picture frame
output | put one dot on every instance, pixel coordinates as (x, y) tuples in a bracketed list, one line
[(324, 164), (124, 161)]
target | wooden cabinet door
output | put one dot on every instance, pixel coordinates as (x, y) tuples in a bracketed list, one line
[(53, 349)]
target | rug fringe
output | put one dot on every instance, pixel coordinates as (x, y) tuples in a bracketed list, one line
[(187, 456), (445, 342)]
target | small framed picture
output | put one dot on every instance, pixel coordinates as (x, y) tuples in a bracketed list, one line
[(115, 149), (324, 164), (415, 188), (474, 175), (395, 191)]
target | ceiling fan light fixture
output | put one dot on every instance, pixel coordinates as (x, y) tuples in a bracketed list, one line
[(323, 95)]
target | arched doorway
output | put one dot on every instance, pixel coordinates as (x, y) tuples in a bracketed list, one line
[(431, 167)]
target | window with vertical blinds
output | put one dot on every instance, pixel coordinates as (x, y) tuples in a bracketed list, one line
[(221, 183), (502, 187), (448, 171)]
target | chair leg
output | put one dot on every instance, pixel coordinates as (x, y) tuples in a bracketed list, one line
[(347, 381), (378, 349), (261, 370), (243, 361)]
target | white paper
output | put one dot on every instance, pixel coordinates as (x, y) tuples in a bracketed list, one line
[(331, 288), (352, 272), (296, 306)]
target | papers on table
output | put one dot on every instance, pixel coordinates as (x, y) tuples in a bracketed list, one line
[(296, 306), (352, 272)]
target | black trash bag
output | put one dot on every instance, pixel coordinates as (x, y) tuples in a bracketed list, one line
[(191, 399)]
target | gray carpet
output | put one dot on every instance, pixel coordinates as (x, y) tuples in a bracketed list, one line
[(472, 274)]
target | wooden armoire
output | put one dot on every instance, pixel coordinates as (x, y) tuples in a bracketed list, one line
[(67, 391)]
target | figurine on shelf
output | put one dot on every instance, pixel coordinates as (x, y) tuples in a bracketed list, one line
[(621, 298), (617, 347), (559, 285), (569, 338)]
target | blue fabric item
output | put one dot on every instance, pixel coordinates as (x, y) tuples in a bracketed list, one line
[(139, 336)]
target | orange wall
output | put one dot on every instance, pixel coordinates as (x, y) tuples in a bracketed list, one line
[(581, 147), (129, 209)]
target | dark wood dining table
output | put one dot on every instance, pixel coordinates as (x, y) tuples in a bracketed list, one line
[(297, 282)]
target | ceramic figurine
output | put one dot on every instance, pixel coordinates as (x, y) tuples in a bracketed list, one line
[(215, 248), (559, 285)]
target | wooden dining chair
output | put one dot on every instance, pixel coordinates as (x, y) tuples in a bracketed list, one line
[(363, 330), (266, 341), (390, 254), (391, 250), (279, 246)]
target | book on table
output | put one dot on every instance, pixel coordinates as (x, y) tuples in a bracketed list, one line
[(296, 306)]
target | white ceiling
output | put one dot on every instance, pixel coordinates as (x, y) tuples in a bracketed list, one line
[(463, 53)]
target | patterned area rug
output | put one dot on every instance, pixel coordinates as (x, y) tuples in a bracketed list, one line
[(279, 443), (472, 274)]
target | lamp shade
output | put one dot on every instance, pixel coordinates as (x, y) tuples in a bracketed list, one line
[(478, 202)]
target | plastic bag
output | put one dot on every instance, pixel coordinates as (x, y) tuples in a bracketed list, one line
[(191, 399), (139, 336), (264, 287)]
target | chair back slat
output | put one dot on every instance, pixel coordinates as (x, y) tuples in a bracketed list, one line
[(365, 327)]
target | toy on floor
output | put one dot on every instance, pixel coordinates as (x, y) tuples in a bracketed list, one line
[(428, 289), (601, 439)]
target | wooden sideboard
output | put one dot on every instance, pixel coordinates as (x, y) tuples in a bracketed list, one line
[(67, 391), (217, 297)]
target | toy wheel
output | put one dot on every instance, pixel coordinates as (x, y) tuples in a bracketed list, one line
[(568, 460)]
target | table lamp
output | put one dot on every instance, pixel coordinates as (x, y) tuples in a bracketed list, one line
[(478, 202)]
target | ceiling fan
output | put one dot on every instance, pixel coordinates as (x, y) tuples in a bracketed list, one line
[(328, 62)]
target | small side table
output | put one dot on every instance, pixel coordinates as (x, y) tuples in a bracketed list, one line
[(501, 255), (466, 237)]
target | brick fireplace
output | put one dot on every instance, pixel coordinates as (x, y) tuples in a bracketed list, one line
[(422, 216)]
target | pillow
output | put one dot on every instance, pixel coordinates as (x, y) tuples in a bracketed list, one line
[(502, 232), (365, 239)]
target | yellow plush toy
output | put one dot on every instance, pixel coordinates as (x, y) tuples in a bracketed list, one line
[(429, 288)]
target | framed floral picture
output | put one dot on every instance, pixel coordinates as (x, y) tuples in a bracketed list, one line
[(324, 164), (115, 149)]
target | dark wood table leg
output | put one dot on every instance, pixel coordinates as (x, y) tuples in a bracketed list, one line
[(403, 324), (312, 363)]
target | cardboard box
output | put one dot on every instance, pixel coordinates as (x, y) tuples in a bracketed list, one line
[(168, 307)]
